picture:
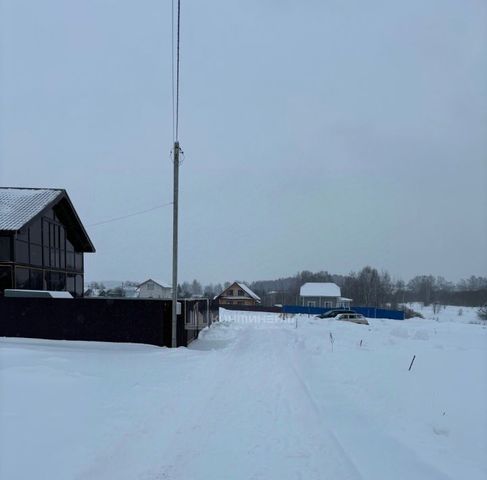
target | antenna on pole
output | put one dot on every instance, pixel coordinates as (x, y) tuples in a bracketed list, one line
[(176, 151)]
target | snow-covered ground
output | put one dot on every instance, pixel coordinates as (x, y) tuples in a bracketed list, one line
[(447, 313), (254, 398)]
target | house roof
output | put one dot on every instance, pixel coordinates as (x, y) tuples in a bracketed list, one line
[(248, 291), (20, 206), (244, 287), (320, 289), (158, 282)]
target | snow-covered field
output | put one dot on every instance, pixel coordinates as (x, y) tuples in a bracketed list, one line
[(253, 398), (447, 313)]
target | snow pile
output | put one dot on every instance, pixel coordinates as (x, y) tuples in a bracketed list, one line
[(306, 398)]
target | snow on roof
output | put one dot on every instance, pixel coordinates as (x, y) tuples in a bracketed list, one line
[(248, 291), (160, 283), (20, 205), (320, 289)]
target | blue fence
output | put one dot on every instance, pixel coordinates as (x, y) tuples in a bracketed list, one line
[(369, 312)]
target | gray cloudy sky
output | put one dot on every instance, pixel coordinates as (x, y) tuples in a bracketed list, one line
[(317, 134)]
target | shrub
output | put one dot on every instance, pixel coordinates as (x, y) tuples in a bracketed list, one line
[(410, 313)]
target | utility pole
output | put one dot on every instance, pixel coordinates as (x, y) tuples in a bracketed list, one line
[(175, 247)]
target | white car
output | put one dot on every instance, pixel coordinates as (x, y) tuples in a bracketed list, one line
[(352, 317)]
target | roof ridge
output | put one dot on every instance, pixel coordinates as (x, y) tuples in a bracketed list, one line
[(34, 188)]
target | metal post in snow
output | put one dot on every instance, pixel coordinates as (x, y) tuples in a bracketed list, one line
[(208, 319)]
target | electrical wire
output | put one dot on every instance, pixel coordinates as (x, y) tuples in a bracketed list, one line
[(172, 73), (175, 68), (140, 212)]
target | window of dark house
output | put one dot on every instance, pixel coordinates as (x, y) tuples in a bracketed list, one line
[(71, 283), (56, 281), (78, 262), (45, 233), (45, 257), (79, 285), (36, 279), (22, 278), (35, 232), (240, 293), (5, 278), (21, 251), (35, 244), (35, 255), (5, 249), (69, 255), (62, 248)]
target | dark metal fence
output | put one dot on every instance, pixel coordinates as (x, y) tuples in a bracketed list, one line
[(95, 319)]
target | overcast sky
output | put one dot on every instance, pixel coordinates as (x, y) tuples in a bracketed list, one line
[(320, 135)]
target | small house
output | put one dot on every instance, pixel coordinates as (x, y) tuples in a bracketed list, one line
[(154, 289), (324, 295)]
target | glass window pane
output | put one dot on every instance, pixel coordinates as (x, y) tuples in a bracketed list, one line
[(62, 238), (36, 255), (79, 285), (78, 258), (70, 283), (22, 278), (69, 246), (35, 233), (21, 252), (45, 232), (52, 256), (70, 260), (5, 251), (5, 278), (61, 281), (46, 257), (51, 235), (36, 278), (56, 281)]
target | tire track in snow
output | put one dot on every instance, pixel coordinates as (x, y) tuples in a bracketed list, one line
[(397, 459)]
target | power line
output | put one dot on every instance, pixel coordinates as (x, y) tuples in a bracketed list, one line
[(140, 212), (172, 73), (177, 69)]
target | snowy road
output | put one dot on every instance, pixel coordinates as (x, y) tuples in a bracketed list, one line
[(245, 402)]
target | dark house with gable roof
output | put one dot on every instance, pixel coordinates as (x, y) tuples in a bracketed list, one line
[(237, 294), (42, 241)]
